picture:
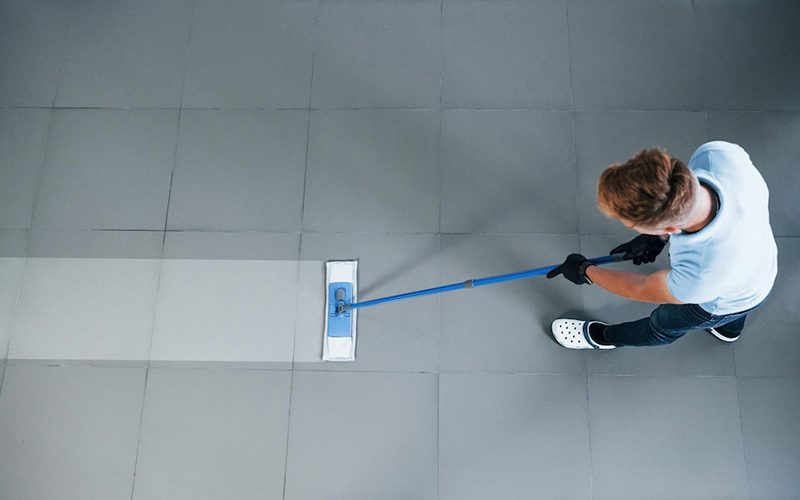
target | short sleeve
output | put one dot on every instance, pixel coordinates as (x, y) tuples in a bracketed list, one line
[(687, 283)]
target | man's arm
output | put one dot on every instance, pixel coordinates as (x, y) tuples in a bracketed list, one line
[(642, 287)]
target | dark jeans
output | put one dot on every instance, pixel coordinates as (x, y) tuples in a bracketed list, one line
[(669, 322)]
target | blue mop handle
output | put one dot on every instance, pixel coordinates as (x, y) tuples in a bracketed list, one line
[(606, 259)]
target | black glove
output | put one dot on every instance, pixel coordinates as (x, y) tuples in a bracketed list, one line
[(642, 249), (574, 269)]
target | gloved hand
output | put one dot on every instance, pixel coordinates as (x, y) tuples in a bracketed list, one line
[(642, 249), (574, 269)]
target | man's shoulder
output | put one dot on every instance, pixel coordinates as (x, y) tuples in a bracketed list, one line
[(728, 149)]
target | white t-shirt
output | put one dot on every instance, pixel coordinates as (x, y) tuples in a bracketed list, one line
[(730, 265)]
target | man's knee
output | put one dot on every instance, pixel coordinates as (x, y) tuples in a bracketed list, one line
[(659, 336)]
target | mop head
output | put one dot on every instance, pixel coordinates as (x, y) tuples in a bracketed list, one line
[(341, 286)]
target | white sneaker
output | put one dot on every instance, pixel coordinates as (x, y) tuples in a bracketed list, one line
[(725, 337), (574, 334)]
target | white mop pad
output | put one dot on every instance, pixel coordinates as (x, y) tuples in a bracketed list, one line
[(339, 336)]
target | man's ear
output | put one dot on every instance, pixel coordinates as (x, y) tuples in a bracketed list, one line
[(672, 230)]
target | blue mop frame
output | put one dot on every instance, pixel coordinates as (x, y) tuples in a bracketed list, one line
[(474, 283)]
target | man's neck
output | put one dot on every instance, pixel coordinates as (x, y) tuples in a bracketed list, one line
[(705, 213)]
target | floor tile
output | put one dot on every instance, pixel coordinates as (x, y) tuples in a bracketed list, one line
[(123, 54), (32, 36), (696, 353), (603, 138), (86, 308), (645, 432), (400, 336), (771, 436), (506, 327), (69, 432), (23, 133), (512, 54), (362, 436), (377, 54), (748, 52), (771, 141), (107, 169), (213, 434), (373, 171), (13, 243), (238, 310), (508, 171), (769, 345), (239, 170), (630, 54), (250, 54), (513, 436)]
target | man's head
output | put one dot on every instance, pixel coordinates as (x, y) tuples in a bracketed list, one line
[(651, 193)]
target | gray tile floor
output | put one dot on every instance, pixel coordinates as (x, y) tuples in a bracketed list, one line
[(435, 140)]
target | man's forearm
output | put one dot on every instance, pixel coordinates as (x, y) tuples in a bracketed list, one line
[(627, 285)]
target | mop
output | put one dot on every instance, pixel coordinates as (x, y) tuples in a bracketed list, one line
[(341, 285), (341, 279)]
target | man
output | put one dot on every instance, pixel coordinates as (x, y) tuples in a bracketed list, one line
[(723, 258)]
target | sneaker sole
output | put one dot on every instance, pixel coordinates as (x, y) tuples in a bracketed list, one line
[(721, 336)]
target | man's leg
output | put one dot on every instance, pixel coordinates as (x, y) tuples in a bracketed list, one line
[(666, 324)]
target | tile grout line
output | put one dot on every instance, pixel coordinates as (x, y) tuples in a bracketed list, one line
[(589, 436), (147, 366), (577, 172), (395, 108), (288, 434), (440, 163), (441, 187), (171, 179), (441, 118), (178, 128), (37, 192), (314, 42), (699, 53), (63, 55), (580, 249), (741, 434), (303, 199), (300, 248), (163, 248), (438, 303), (297, 300), (139, 437), (292, 370), (202, 367), (365, 233), (574, 138), (305, 183), (438, 431), (15, 310), (155, 309)]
